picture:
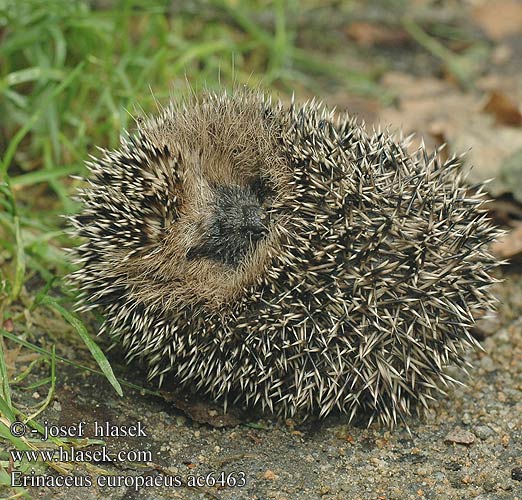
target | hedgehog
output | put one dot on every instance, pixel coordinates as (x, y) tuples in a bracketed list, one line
[(285, 258)]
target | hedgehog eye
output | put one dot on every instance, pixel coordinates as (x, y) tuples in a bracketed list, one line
[(261, 189)]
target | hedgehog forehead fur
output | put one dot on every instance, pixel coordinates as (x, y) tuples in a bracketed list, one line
[(284, 257), (194, 154)]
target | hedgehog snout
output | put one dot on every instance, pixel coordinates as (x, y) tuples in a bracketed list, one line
[(253, 217), (234, 223)]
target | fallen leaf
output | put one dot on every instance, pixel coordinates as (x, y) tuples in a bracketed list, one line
[(509, 245), (460, 436), (436, 110), (203, 412), (499, 19), (504, 109)]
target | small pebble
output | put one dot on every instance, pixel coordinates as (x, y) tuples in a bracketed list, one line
[(269, 475), (487, 364), (483, 431)]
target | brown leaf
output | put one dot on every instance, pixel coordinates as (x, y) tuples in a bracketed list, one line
[(505, 110), (203, 412), (509, 245), (460, 436), (368, 34), (499, 19), (436, 111)]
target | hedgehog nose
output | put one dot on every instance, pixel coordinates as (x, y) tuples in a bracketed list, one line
[(253, 219)]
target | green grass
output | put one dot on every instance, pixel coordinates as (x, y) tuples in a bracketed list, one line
[(72, 77)]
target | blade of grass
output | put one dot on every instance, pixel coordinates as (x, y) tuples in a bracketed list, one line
[(58, 187), (23, 444), (50, 394), (13, 144), (43, 175), (199, 52), (96, 352), (6, 390), (14, 414), (355, 80), (47, 354), (281, 46), (5, 433), (35, 385), (18, 281), (21, 376), (28, 75), (245, 23), (453, 62), (6, 410)]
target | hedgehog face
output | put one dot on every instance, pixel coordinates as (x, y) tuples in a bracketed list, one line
[(198, 190)]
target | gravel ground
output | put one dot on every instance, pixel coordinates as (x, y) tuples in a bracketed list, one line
[(469, 446)]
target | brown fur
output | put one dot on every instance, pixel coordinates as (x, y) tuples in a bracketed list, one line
[(221, 142)]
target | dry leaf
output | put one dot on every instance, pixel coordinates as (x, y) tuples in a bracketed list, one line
[(499, 19), (436, 110), (509, 245), (203, 412), (505, 110)]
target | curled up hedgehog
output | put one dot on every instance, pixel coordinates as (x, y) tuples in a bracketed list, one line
[(284, 258)]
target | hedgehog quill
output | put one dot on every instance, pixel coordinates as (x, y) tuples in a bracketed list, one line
[(284, 258)]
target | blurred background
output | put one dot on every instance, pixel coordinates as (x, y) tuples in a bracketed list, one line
[(73, 74)]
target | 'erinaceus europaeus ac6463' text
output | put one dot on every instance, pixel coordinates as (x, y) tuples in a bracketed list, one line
[(284, 257)]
